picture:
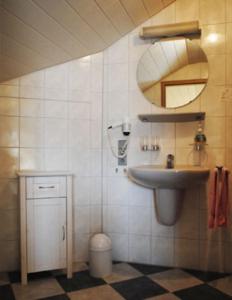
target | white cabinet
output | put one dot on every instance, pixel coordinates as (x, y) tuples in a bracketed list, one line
[(46, 222)]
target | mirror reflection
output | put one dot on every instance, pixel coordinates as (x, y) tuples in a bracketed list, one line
[(172, 73)]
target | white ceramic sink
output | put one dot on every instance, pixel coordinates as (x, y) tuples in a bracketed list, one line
[(169, 187), (180, 177)]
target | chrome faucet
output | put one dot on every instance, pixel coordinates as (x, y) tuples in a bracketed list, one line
[(170, 161)]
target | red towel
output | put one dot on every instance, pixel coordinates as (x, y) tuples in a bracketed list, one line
[(219, 198)]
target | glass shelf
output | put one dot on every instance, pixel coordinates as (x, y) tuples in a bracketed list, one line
[(172, 118)]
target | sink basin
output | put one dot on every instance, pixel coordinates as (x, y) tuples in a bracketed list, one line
[(180, 177), (169, 187)]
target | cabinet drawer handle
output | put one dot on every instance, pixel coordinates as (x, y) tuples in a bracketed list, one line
[(63, 232), (47, 187)]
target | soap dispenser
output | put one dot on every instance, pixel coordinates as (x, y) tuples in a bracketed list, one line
[(199, 153), (200, 138)]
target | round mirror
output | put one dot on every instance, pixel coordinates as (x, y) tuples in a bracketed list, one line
[(172, 73)]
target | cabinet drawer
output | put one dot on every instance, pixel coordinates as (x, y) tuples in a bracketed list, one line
[(46, 187)]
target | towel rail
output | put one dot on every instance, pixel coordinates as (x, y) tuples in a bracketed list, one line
[(220, 168)]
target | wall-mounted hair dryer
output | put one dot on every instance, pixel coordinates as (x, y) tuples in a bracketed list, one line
[(126, 130), (125, 124)]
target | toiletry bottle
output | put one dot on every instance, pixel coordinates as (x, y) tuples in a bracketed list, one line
[(200, 138)]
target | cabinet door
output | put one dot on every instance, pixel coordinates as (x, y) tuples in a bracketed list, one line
[(46, 234)]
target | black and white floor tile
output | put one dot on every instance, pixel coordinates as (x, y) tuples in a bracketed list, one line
[(128, 281)]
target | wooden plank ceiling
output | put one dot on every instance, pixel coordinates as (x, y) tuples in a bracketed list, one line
[(35, 34)]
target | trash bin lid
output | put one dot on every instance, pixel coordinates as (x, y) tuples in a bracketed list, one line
[(100, 242)]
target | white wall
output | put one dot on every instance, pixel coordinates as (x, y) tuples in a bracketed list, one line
[(51, 120), (129, 215)]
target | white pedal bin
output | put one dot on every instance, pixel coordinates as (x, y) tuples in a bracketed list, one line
[(100, 255)]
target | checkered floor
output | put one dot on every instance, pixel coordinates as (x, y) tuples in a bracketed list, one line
[(128, 281)]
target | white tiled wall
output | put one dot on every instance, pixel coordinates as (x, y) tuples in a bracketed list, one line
[(129, 213), (51, 120)]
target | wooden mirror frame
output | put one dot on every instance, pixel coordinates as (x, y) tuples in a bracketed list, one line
[(164, 84)]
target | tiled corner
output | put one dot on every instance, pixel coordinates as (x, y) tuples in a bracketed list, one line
[(163, 251), (186, 253), (140, 248)]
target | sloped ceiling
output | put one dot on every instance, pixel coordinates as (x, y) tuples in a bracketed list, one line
[(35, 34)]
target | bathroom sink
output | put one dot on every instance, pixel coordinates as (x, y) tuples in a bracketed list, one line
[(180, 177), (169, 187)]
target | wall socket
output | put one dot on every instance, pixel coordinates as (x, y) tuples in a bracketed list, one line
[(121, 161)]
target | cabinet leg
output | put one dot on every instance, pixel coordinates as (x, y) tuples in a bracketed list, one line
[(69, 272), (24, 278)]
